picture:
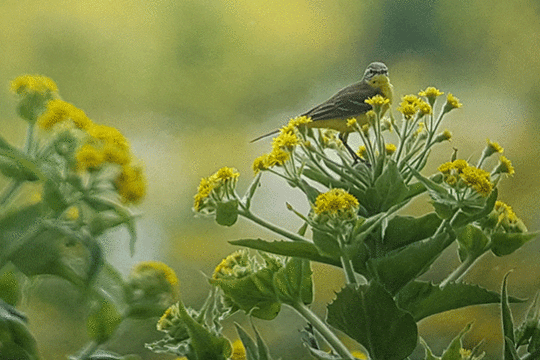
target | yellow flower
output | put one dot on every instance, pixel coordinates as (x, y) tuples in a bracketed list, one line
[(131, 184), (424, 107), (407, 109), (478, 179), (452, 102), (361, 151), (377, 100), (278, 157), (72, 213), (109, 135), (232, 266), (505, 166), (458, 165), (260, 164), (351, 122), (505, 211), (60, 111), (116, 154), (285, 140), (88, 157), (225, 174), (390, 149), (299, 120), (27, 84), (335, 202), (494, 147), (430, 93), (159, 269), (239, 352), (359, 355), (410, 99), (203, 191)]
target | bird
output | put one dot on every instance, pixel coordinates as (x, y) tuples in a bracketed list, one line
[(348, 103)]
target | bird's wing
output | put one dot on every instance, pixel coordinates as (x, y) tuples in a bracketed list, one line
[(348, 102)]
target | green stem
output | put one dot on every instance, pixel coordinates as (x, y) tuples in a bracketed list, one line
[(323, 329), (460, 271), (249, 215), (347, 265)]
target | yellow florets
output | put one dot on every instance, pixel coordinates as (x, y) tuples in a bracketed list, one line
[(336, 202), (234, 265), (377, 101), (452, 102), (89, 157), (59, 111), (158, 268), (390, 149), (225, 174), (131, 184), (286, 141), (478, 179), (238, 350), (424, 107), (28, 84), (361, 152), (430, 93), (352, 122), (505, 166), (494, 147)]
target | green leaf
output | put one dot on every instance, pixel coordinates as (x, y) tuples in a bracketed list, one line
[(405, 230), (227, 212), (254, 351), (472, 242), (397, 268), (103, 321), (10, 290), (253, 294), (304, 250), (452, 352), (506, 243), (463, 219), (326, 244), (423, 299), (510, 352), (428, 352), (206, 345), (389, 189), (16, 341), (293, 283), (507, 322), (369, 315)]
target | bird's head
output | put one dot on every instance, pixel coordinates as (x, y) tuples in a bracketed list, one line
[(374, 69)]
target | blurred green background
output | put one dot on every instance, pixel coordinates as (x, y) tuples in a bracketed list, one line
[(190, 82)]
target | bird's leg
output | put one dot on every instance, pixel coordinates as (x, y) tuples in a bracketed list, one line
[(343, 137)]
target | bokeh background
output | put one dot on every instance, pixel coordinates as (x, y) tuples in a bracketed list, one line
[(190, 82)]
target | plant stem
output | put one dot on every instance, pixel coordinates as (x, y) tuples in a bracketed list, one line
[(323, 329), (460, 271), (348, 269), (9, 190), (249, 215)]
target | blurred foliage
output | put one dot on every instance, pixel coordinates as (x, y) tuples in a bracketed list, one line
[(190, 82)]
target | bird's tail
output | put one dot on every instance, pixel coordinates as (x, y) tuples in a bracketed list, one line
[(265, 135)]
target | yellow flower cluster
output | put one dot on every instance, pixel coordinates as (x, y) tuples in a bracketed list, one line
[(471, 176), (28, 84), (282, 145), (61, 111), (507, 218), (452, 102), (225, 176), (229, 266), (411, 104), (390, 149), (505, 166), (493, 147), (336, 202), (377, 101), (431, 93), (158, 268)]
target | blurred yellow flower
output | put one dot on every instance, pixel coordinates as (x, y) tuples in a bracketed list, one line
[(27, 84)]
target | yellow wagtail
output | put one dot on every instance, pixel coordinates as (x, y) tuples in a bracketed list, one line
[(349, 103)]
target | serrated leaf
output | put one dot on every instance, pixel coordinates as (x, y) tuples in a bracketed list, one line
[(507, 321), (463, 219), (404, 230), (506, 243), (399, 267), (423, 299), (369, 315), (205, 345), (227, 212), (293, 283)]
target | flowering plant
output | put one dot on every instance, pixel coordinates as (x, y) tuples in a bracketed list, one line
[(357, 223)]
